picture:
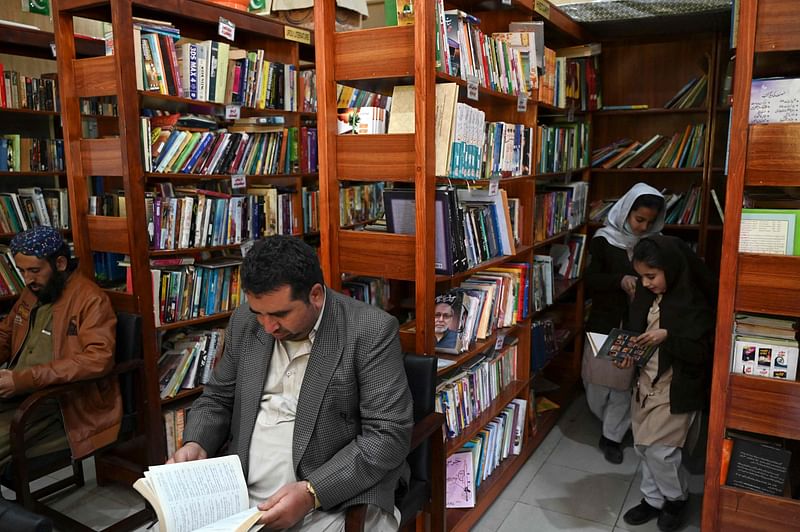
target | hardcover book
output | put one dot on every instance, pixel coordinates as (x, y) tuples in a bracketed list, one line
[(617, 345)]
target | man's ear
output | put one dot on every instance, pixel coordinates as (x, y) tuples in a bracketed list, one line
[(62, 263), (317, 296)]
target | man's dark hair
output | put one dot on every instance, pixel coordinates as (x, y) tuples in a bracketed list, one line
[(648, 252), (281, 260), (651, 201), (63, 251)]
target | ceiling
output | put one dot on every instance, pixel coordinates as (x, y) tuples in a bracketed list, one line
[(590, 11)]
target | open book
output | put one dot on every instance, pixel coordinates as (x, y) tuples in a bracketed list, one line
[(618, 344), (204, 495)]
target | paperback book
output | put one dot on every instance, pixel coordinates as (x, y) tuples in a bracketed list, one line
[(618, 344)]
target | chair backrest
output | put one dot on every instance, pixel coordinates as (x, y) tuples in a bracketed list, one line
[(421, 374), (129, 347)]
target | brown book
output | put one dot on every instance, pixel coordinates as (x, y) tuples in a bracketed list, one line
[(646, 153), (686, 136)]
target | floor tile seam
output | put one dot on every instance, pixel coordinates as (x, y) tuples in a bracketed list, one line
[(568, 515), (633, 475)]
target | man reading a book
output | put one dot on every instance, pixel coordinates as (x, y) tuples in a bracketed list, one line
[(306, 365), (61, 329)]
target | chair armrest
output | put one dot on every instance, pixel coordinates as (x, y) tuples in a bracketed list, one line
[(355, 518), (425, 428), (31, 403)]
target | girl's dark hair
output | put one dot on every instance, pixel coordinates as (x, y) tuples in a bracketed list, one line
[(648, 252), (278, 261), (651, 201)]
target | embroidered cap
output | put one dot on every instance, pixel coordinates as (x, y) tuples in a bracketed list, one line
[(39, 242)]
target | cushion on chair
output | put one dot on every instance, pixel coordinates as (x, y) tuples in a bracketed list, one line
[(15, 517), (421, 374)]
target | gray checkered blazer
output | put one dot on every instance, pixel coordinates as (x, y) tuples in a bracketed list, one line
[(354, 415)]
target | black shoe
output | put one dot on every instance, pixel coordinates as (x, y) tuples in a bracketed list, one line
[(611, 450), (639, 515), (672, 515)]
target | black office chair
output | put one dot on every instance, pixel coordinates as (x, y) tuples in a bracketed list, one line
[(425, 493), (21, 471)]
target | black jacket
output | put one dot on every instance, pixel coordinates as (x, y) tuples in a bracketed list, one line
[(607, 266)]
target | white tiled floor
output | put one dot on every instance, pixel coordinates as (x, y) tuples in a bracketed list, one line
[(565, 486)]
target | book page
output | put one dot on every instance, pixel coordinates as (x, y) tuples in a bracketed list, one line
[(241, 521), (596, 341), (195, 494)]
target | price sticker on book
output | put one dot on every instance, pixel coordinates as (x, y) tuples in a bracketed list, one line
[(227, 28), (472, 88), (498, 344), (53, 48), (233, 112), (239, 181), (494, 186), (543, 8), (522, 102), (506, 2)]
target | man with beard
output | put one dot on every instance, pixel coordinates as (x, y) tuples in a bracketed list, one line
[(61, 330)]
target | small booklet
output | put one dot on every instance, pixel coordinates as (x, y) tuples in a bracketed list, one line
[(204, 496), (618, 344)]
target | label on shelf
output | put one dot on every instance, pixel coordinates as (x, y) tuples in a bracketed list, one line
[(53, 48), (522, 102), (227, 28), (239, 181), (494, 186), (232, 112), (472, 88), (543, 8), (296, 35), (498, 344)]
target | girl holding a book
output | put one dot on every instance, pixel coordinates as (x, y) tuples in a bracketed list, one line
[(673, 309), (611, 280)]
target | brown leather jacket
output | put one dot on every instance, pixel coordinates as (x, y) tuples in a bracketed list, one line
[(84, 337)]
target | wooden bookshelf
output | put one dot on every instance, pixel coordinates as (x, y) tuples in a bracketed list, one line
[(760, 155), (119, 156), (378, 59)]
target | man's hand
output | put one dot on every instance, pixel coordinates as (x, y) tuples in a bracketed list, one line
[(628, 284), (6, 383), (654, 337), (288, 506), (188, 453)]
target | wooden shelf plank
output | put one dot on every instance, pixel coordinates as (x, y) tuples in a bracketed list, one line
[(190, 393), (480, 346), (375, 158), (386, 52), (31, 112), (696, 170), (496, 261), (776, 26), (377, 254), (484, 182), (9, 297), (36, 43), (768, 284), (190, 251), (650, 111), (742, 510), (773, 155), (754, 401), (171, 176), (483, 92), (35, 174), (494, 408), (156, 99), (195, 321)]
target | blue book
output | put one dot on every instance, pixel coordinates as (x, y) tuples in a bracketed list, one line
[(3, 155)]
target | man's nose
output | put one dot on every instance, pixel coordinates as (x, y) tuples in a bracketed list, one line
[(270, 325)]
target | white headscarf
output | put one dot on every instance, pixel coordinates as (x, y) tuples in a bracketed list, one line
[(616, 231)]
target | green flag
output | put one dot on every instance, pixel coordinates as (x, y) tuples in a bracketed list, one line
[(42, 7)]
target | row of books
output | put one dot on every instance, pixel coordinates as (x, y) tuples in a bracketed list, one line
[(199, 218), (571, 82), (310, 200), (462, 397), (26, 92), (464, 51), (195, 290), (11, 282), (99, 106), (568, 257), (693, 94), (478, 458), (545, 339), (679, 207), (372, 290), (560, 208), (472, 225), (543, 280), (174, 423), (360, 203), (234, 151), (23, 154), (492, 299), (561, 147), (681, 150), (32, 207), (109, 204), (765, 346), (188, 359), (211, 71), (352, 98)]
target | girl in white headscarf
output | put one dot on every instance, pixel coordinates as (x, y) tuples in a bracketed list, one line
[(611, 282)]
